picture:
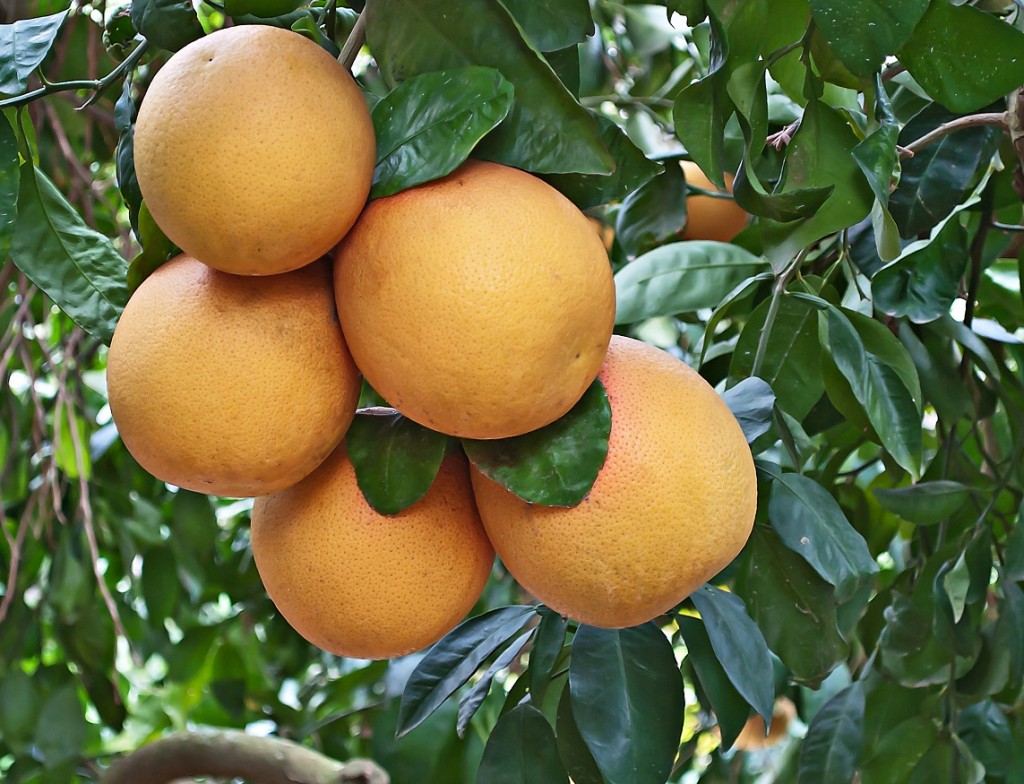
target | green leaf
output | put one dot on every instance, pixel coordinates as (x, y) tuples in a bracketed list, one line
[(938, 177), (831, 749), (791, 604), (61, 730), (10, 172), (21, 708), (653, 213), (627, 699), (964, 58), (546, 130), (156, 249), (578, 760), (395, 460), (23, 47), (681, 278), (700, 112), (948, 760), (552, 24), (1012, 608), (924, 503), (521, 750), (820, 156), (429, 124), (809, 521), (956, 582), (752, 402), (887, 402), (632, 170), (160, 585), (863, 32), (454, 659), (77, 267), (986, 732), (899, 752), (730, 708), (792, 360), (1015, 548), (547, 647), (125, 112), (169, 24), (910, 651), (74, 462), (557, 464), (227, 681), (474, 698), (739, 646)]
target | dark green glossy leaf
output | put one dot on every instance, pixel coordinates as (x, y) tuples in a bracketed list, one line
[(10, 172), (938, 177), (557, 464), (61, 730), (680, 278), (395, 460), (156, 249), (627, 699), (77, 267), (566, 65), (125, 112), (910, 651), (739, 646), (23, 46), (576, 757), (546, 130), (454, 659), (632, 170), (730, 708), (1012, 608), (820, 156), (831, 749), (791, 604), (1015, 549), (792, 361), (964, 58), (547, 646), (924, 503), (430, 123), (21, 708), (947, 760), (169, 24), (899, 752), (700, 112), (653, 213), (810, 522), (552, 24), (863, 32), (986, 732), (752, 403), (160, 586), (521, 750), (887, 402), (474, 698)]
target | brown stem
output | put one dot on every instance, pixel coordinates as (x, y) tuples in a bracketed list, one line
[(233, 754), (997, 119), (1015, 120), (354, 42)]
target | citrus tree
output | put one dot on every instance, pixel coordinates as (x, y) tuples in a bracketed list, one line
[(802, 564)]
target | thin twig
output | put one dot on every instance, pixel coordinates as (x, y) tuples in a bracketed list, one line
[(354, 42), (994, 119)]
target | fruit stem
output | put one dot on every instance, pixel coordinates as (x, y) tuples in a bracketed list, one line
[(354, 42)]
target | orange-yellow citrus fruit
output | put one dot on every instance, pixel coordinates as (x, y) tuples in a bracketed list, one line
[(673, 504), (708, 218), (357, 583), (480, 304), (254, 150), (229, 385), (753, 737)]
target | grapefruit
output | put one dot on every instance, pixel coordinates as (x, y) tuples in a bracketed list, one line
[(708, 218), (357, 583), (229, 385), (480, 304), (254, 150), (673, 504)]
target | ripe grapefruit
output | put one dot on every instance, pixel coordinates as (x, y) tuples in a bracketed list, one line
[(254, 150), (708, 218), (357, 583), (480, 304), (672, 505), (229, 385)]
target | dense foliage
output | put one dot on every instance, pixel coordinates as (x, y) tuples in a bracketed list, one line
[(876, 294)]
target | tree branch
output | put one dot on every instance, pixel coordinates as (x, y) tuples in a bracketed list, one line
[(997, 119), (1015, 121), (234, 754), (354, 42)]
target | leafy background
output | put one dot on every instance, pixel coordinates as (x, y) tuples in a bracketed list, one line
[(865, 328)]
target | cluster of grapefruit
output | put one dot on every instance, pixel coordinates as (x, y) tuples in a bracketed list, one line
[(480, 305)]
